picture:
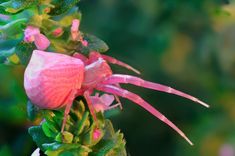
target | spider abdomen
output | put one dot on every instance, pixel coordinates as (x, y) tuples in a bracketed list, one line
[(51, 79)]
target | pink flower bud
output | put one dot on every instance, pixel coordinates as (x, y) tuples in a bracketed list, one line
[(28, 39), (30, 32), (75, 25), (41, 42), (96, 134), (47, 10), (84, 43), (57, 32), (75, 29)]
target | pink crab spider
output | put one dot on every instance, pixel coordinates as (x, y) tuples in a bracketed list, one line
[(53, 81)]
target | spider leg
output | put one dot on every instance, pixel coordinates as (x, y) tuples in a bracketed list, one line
[(66, 112), (117, 98), (81, 57), (90, 106), (118, 104), (138, 100), (113, 106), (120, 63), (119, 78), (69, 100), (95, 55)]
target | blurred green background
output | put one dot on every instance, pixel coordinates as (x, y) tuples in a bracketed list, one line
[(186, 44)]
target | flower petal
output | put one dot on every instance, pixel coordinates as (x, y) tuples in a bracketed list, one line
[(41, 42)]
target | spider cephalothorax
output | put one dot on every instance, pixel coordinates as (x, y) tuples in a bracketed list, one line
[(53, 81)]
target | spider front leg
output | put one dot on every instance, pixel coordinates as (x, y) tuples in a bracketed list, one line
[(69, 100), (66, 113), (90, 106), (117, 98), (113, 61), (119, 78), (81, 57), (138, 100), (118, 103)]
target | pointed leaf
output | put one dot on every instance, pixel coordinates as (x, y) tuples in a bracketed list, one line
[(24, 51), (47, 130), (4, 54), (65, 137), (32, 110), (13, 30), (15, 6), (61, 6), (95, 44), (38, 136)]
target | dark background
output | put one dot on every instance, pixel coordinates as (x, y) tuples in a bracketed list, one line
[(186, 44)]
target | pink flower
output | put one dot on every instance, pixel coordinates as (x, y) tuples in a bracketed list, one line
[(102, 103), (32, 34)]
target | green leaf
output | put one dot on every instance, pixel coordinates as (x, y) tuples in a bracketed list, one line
[(65, 137), (4, 54), (110, 147), (109, 130), (15, 6), (84, 123), (4, 1), (57, 146), (32, 110), (56, 149), (82, 151), (49, 25), (39, 137), (13, 30), (57, 118), (11, 35), (95, 44), (49, 130), (119, 148), (4, 12), (61, 6), (60, 45), (88, 138), (65, 20), (36, 20), (111, 144), (51, 122), (52, 146), (8, 44), (24, 51)]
